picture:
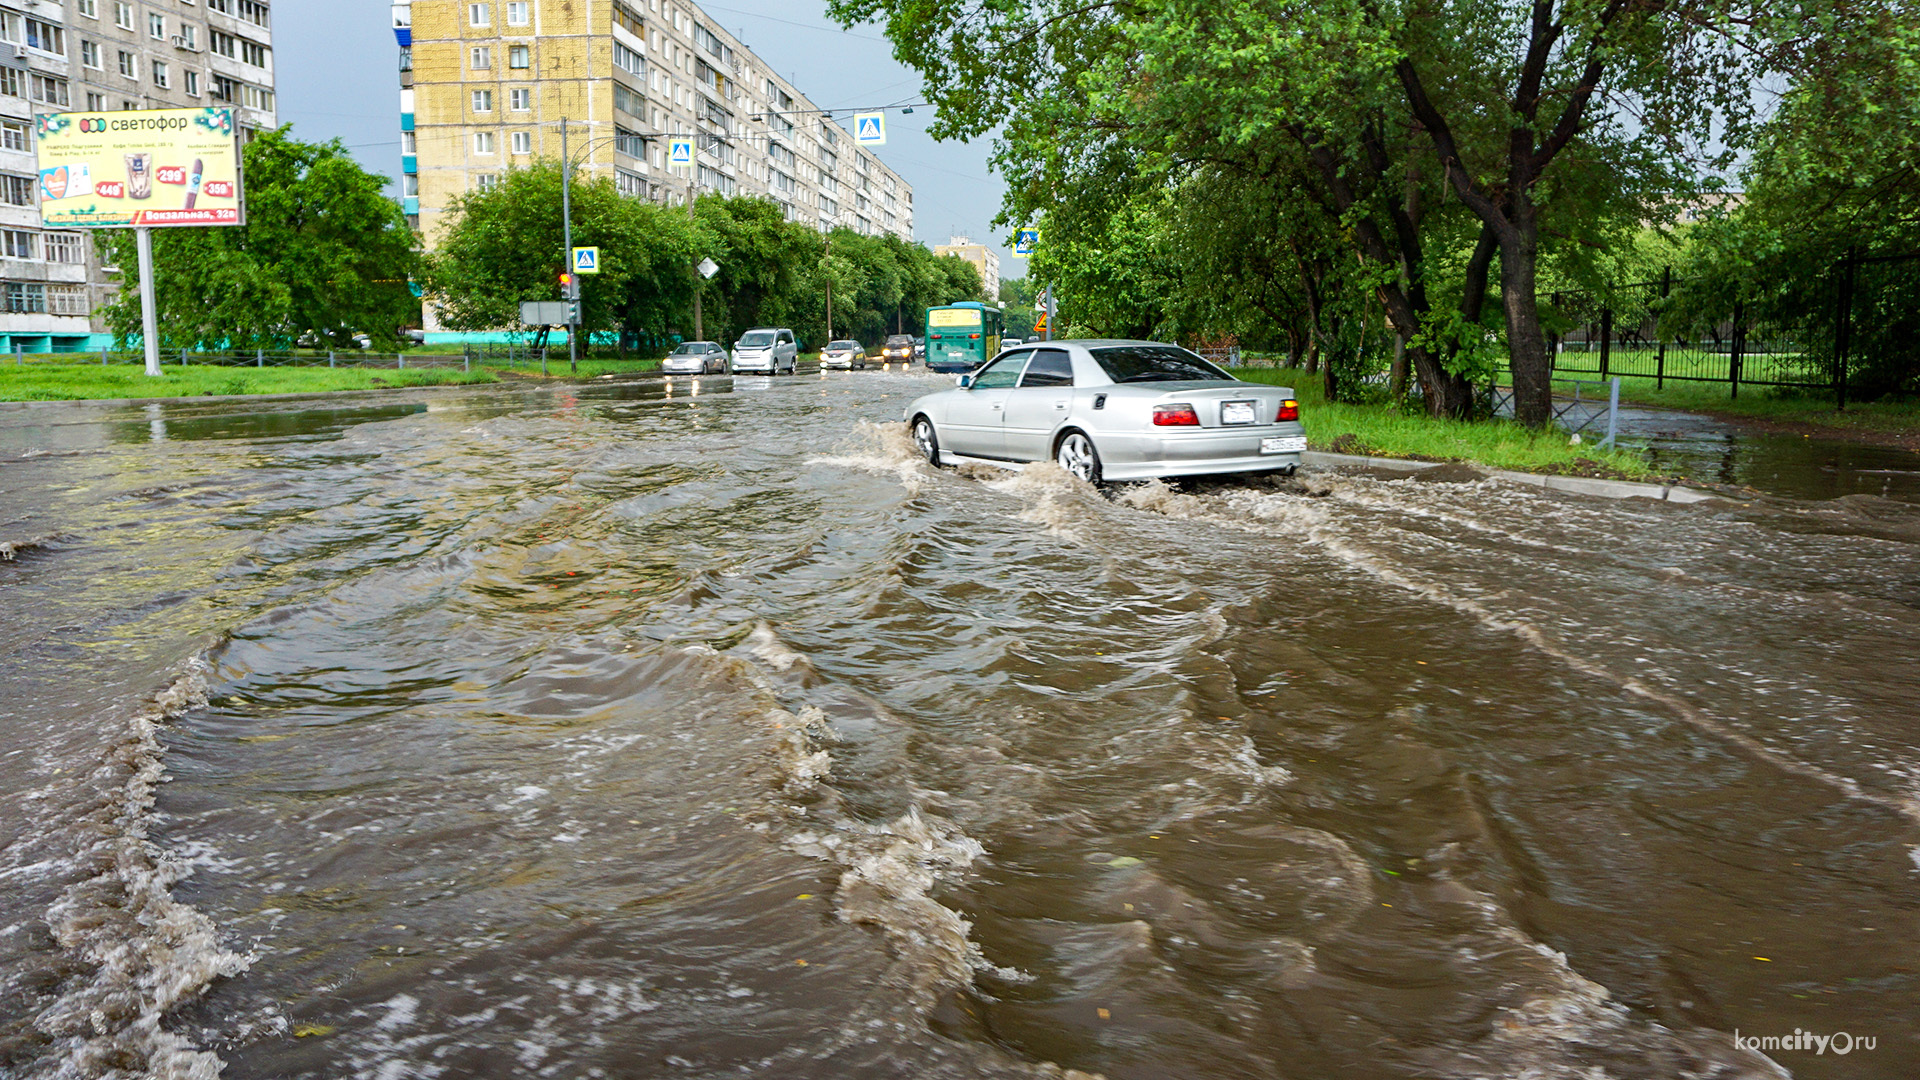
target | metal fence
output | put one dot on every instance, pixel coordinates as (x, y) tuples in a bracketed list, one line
[(260, 358), (1856, 330)]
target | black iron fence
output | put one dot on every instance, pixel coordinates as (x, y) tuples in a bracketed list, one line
[(1855, 330)]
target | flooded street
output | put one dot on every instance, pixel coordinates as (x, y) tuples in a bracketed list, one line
[(590, 732)]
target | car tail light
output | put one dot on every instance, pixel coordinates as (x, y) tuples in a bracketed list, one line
[(974, 336), (1289, 410), (1175, 416)]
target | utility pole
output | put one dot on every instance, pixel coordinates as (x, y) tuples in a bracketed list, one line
[(693, 194), (829, 268), (566, 231)]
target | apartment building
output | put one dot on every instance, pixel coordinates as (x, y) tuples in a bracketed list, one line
[(981, 256), (484, 86), (104, 55)]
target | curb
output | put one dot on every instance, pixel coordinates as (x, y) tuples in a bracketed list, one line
[(1575, 485)]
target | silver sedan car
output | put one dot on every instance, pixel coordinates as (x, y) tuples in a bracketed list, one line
[(1110, 410), (696, 358)]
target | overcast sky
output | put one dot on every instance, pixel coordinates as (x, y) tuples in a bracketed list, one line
[(337, 74)]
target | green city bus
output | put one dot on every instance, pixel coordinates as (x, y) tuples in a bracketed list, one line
[(961, 337)]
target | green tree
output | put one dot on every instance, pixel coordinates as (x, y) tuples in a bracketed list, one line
[(505, 245), (324, 255), (1388, 117)]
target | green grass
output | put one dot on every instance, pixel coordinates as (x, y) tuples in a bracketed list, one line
[(79, 382), (1774, 403), (1386, 431)]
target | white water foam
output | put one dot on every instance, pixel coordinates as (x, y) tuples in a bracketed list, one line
[(148, 953), (881, 449)]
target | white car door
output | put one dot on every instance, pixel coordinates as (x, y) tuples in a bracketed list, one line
[(1036, 407), (975, 414)]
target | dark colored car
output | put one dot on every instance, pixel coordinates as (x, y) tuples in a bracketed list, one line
[(898, 349)]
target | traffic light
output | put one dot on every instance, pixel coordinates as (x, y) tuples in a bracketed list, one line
[(566, 283)]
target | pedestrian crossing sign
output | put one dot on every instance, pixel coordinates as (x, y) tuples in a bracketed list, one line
[(870, 129), (680, 152), (1024, 241), (586, 260)]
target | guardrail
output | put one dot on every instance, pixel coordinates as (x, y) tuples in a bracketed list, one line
[(263, 358)]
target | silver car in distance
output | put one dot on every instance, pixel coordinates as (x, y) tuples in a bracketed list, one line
[(696, 358), (1110, 410)]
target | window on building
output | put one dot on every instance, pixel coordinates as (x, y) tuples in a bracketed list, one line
[(410, 185), (13, 135), (523, 142), (16, 244), (89, 8), (483, 142), (629, 102), (64, 247), (26, 298), (66, 300), (157, 27), (48, 90), (224, 44), (480, 14), (520, 57), (518, 13), (254, 12), (160, 76), (46, 37), (128, 65), (16, 190), (254, 97), (123, 14), (252, 52), (520, 99), (480, 58), (90, 54), (189, 37), (193, 83), (221, 88), (483, 101), (226, 6), (629, 143), (627, 60), (485, 181), (629, 20)]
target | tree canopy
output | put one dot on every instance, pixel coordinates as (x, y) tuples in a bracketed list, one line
[(324, 255)]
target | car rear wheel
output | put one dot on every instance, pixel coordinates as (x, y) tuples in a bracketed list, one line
[(925, 440), (1077, 455)]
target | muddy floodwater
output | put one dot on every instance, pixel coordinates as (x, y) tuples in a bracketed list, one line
[(623, 731)]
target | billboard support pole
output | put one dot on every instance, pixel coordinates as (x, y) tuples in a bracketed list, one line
[(566, 227), (149, 319)]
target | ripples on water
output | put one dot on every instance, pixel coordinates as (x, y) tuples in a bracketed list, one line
[(593, 733)]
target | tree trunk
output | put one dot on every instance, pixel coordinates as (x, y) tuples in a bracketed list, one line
[(1397, 374), (1446, 394), (1313, 355), (1526, 343)]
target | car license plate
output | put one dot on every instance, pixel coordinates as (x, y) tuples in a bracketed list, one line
[(1284, 444), (1237, 412)]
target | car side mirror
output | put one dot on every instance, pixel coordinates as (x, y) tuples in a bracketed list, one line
[(965, 381)]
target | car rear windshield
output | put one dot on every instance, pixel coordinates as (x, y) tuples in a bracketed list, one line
[(1154, 363), (757, 339)]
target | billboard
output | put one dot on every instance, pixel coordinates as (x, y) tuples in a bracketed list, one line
[(153, 168)]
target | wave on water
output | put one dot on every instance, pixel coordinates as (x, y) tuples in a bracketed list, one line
[(890, 869), (144, 952), (9, 549)]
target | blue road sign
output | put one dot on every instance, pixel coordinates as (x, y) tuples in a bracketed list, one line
[(586, 260), (1024, 241), (870, 129), (680, 152)]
